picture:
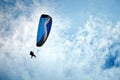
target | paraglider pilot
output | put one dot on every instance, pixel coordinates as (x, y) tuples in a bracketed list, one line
[(32, 54)]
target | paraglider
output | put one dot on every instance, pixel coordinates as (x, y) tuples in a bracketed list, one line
[(44, 28)]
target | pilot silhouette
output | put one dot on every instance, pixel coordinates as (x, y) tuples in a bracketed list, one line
[(32, 54)]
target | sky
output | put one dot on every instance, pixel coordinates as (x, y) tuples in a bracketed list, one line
[(84, 42)]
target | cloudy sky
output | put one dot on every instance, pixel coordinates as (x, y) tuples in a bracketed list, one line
[(84, 42)]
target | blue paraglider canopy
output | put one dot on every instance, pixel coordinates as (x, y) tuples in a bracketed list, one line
[(44, 28)]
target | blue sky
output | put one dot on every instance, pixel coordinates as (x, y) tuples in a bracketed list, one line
[(84, 42)]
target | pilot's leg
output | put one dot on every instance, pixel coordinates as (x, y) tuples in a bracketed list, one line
[(34, 56)]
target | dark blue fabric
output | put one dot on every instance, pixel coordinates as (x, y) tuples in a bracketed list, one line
[(40, 33), (43, 28)]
